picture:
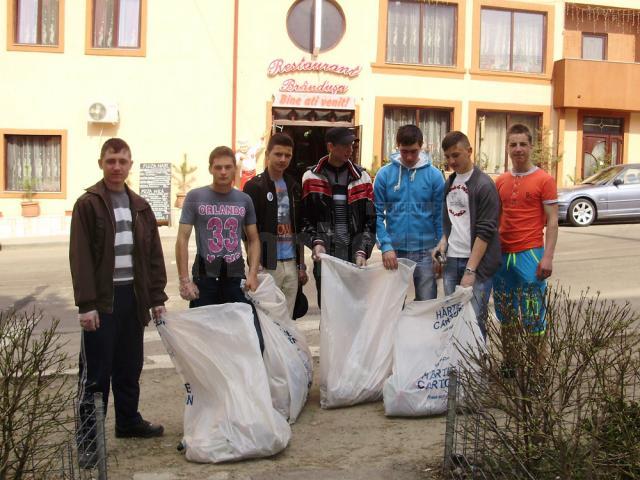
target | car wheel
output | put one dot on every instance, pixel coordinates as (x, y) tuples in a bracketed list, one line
[(582, 213)]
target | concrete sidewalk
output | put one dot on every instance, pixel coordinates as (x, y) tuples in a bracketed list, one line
[(63, 238)]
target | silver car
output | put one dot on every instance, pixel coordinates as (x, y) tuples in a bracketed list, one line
[(611, 193)]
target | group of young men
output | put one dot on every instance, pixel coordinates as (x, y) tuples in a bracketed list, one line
[(472, 231)]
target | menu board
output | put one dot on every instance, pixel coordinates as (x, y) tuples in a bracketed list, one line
[(155, 188)]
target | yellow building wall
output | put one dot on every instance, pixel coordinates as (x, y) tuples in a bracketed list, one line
[(359, 46), (174, 100), (178, 98)]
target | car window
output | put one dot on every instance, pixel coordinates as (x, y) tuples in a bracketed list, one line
[(631, 176), (602, 176)]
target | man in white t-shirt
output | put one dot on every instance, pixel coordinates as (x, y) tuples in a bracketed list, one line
[(470, 241)]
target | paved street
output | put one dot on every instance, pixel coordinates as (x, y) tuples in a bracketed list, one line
[(603, 258)]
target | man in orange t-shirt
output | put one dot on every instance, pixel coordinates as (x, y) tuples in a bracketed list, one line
[(529, 200)]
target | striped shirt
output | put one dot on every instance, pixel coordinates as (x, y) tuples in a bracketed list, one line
[(339, 180), (123, 244)]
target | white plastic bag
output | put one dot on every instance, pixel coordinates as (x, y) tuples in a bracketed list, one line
[(228, 413), (426, 345), (287, 357), (360, 310)]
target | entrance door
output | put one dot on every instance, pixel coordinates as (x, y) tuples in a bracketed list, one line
[(602, 143), (307, 128)]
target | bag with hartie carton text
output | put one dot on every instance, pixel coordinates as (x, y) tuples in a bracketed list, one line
[(427, 342), (286, 354), (360, 310), (228, 413)]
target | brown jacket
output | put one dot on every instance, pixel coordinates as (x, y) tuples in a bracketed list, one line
[(92, 258)]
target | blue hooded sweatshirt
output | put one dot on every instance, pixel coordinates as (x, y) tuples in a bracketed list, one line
[(408, 205)]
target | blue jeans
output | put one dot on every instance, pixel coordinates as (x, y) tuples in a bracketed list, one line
[(452, 276), (424, 280)]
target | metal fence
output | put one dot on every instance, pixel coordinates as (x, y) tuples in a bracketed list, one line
[(468, 438), (81, 456), (482, 439)]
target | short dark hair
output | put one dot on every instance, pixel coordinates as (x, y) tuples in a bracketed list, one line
[(451, 139), (518, 128), (281, 139), (221, 151), (408, 135), (115, 145)]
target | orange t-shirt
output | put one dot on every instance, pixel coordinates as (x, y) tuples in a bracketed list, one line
[(523, 197)]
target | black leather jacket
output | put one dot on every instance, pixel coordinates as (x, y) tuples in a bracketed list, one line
[(258, 188)]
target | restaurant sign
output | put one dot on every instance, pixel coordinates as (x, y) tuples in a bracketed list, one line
[(279, 67)]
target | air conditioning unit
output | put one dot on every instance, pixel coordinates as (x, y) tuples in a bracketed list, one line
[(102, 111)]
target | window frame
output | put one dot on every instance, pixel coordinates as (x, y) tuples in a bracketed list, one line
[(548, 38), (512, 24), (508, 114), (422, 6), (476, 107), (448, 71), (605, 45), (62, 194), (455, 107), (12, 30), (141, 51), (416, 121)]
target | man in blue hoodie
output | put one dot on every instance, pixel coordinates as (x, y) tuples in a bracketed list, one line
[(408, 195)]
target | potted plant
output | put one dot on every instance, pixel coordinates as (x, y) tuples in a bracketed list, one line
[(182, 174), (30, 207)]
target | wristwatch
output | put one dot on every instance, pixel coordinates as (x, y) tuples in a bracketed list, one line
[(470, 271), (302, 266)]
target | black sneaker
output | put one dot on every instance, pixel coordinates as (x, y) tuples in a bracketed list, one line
[(143, 429)]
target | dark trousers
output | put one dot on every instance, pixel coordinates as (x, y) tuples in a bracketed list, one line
[(112, 355), (342, 252), (219, 290)]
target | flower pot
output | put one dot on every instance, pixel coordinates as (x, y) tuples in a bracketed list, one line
[(179, 200), (30, 209)]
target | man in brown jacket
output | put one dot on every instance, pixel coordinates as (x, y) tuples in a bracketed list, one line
[(118, 273)]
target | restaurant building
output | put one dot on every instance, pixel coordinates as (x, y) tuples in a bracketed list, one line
[(179, 78)]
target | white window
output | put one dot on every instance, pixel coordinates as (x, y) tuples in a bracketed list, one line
[(512, 41), (421, 33), (35, 159)]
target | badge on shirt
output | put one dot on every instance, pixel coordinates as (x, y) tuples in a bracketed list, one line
[(270, 196)]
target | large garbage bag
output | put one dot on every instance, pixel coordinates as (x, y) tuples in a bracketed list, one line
[(228, 412), (428, 341), (360, 310), (287, 357)]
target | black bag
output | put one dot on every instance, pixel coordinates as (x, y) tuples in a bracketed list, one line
[(301, 306)]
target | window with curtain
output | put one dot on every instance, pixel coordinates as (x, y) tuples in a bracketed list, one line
[(36, 22), (34, 158), (594, 47), (116, 23), (434, 124), (421, 33), (491, 137), (512, 41)]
